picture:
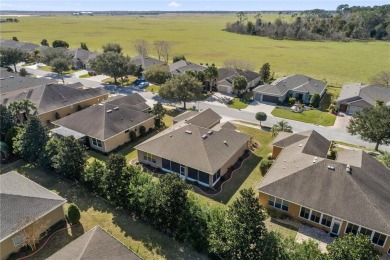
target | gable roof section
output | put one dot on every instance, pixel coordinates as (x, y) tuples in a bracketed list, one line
[(10, 82), (228, 74), (82, 55), (372, 93), (361, 197), (207, 118), (297, 82), (133, 101), (95, 244), (182, 66), (205, 154), (349, 91), (100, 124), (146, 62), (226, 125), (186, 115), (22, 202), (54, 96)]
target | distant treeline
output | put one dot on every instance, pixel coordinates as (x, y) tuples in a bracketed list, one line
[(346, 23)]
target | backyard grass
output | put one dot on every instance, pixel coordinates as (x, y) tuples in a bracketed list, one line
[(85, 76), (152, 88), (48, 68), (308, 116), (201, 38), (237, 103), (249, 175), (133, 233)]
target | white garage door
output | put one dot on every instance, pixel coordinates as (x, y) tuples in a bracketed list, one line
[(353, 109), (224, 89)]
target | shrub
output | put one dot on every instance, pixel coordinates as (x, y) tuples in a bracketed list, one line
[(57, 115), (79, 108), (291, 101), (315, 100), (265, 165), (269, 156), (73, 214), (133, 135), (150, 129), (142, 130), (23, 72)]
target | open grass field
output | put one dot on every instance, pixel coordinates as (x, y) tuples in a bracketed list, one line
[(201, 38), (317, 117)]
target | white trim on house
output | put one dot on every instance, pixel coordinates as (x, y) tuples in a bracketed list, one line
[(372, 234)]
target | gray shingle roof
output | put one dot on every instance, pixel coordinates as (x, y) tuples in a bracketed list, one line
[(226, 125), (368, 93), (95, 244), (51, 97), (207, 155), (133, 101), (82, 55), (23, 200), (350, 91), (182, 66), (228, 74), (100, 124), (297, 82), (362, 197), (183, 116), (12, 81), (206, 118), (146, 62)]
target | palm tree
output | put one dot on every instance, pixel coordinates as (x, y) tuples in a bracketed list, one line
[(27, 106), (379, 103), (15, 108), (281, 126), (210, 74)]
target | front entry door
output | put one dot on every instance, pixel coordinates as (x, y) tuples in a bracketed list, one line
[(335, 229)]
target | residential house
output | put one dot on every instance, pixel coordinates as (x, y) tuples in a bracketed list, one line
[(24, 204), (198, 148), (25, 46), (10, 82), (226, 77), (182, 66), (107, 125), (297, 86), (81, 58), (95, 244), (348, 195), (146, 62), (356, 96), (56, 100)]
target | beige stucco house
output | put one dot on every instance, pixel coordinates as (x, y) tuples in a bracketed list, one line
[(107, 125), (348, 195), (24, 204)]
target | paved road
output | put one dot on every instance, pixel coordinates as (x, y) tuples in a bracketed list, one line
[(328, 132)]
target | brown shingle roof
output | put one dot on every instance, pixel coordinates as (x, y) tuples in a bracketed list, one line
[(206, 118), (95, 244)]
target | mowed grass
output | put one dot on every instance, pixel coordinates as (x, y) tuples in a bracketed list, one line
[(202, 39), (132, 232), (49, 69), (236, 103), (308, 116)]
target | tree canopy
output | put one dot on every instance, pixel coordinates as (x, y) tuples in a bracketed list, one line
[(50, 54), (12, 56), (60, 65), (381, 79), (265, 72), (60, 44), (239, 83), (210, 74), (281, 126), (261, 116), (7, 121), (112, 47), (157, 74), (158, 111), (372, 125), (141, 46), (183, 88)]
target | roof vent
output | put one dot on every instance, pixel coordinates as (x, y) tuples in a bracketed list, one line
[(210, 132), (48, 84), (100, 105), (315, 160), (11, 77), (300, 145), (109, 111), (225, 142), (204, 136), (331, 167), (349, 169), (116, 108), (170, 135), (2, 78), (188, 132)]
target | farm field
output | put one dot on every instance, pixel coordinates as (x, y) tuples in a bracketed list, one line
[(201, 39)]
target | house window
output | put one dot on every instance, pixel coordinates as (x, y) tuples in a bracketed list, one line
[(166, 164), (278, 203), (18, 239), (365, 231), (351, 228), (149, 157), (204, 177), (216, 176), (388, 251), (315, 216), (378, 239), (96, 142), (326, 220), (192, 173), (305, 212), (175, 167)]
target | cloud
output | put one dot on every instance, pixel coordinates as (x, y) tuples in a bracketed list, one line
[(174, 4)]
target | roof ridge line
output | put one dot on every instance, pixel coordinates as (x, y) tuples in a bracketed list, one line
[(204, 148), (86, 244)]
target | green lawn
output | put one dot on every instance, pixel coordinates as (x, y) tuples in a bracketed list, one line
[(236, 103), (248, 176), (85, 76), (309, 116), (201, 38), (132, 232), (152, 88), (48, 68), (126, 82), (330, 96)]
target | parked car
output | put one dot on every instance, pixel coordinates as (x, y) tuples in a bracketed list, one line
[(138, 81), (143, 84)]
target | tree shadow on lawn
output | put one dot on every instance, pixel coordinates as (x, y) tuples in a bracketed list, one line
[(231, 187), (131, 231)]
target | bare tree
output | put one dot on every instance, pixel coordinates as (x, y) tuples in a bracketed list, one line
[(382, 79), (142, 47), (239, 64), (163, 49), (32, 233)]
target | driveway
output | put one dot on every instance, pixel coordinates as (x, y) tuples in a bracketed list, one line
[(256, 106), (306, 233), (342, 121)]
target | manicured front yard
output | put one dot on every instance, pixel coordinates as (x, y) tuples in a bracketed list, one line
[(48, 68), (127, 81), (237, 103), (152, 88), (84, 76), (309, 116), (330, 96), (132, 232)]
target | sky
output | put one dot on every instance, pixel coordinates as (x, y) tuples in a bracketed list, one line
[(177, 5)]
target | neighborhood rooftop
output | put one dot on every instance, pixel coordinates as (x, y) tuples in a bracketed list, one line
[(301, 174), (95, 244), (133, 101), (146, 62), (21, 195), (207, 118), (182, 66), (10, 82), (368, 93)]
